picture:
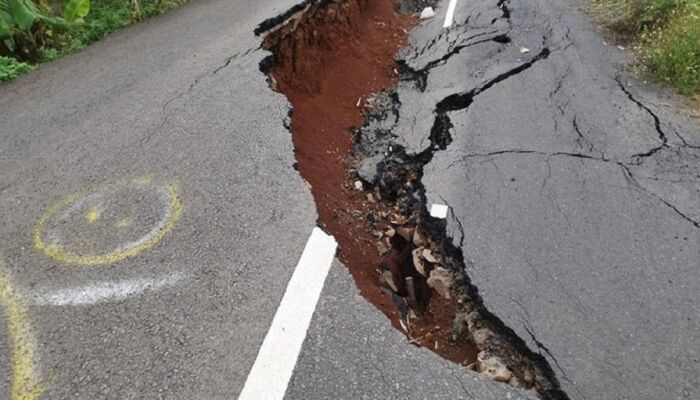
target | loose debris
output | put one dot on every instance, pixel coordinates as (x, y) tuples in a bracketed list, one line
[(493, 368)]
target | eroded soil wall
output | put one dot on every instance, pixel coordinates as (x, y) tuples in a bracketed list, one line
[(328, 63)]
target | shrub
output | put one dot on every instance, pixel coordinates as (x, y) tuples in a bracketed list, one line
[(671, 52), (11, 68), (106, 16), (24, 25), (35, 31)]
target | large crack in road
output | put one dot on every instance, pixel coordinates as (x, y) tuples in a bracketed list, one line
[(333, 62)]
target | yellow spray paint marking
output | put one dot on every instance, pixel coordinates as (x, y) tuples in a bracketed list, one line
[(123, 223), (25, 386), (93, 215), (60, 254)]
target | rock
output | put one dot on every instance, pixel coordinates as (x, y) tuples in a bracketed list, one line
[(406, 233), (429, 257), (382, 248), (460, 326), (419, 238), (524, 50), (388, 278), (515, 382), (370, 198), (398, 220), (390, 232), (493, 368), (367, 168), (441, 280), (418, 262), (427, 12), (481, 337), (358, 185), (528, 377)]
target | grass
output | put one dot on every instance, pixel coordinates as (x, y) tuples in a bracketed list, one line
[(672, 51), (105, 17), (667, 34)]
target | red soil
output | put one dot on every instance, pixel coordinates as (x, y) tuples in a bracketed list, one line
[(334, 58)]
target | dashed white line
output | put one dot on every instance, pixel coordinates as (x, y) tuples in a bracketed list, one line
[(450, 14), (439, 211), (277, 357)]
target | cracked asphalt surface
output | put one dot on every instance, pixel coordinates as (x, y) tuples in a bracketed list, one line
[(573, 191)]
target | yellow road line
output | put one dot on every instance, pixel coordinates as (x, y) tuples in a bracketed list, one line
[(25, 385)]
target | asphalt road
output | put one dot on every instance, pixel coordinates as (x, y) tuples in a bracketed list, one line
[(574, 190), (152, 217), (176, 103)]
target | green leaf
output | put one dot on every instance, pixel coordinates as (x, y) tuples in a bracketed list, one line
[(56, 22), (76, 9), (5, 29), (5, 9), (10, 44), (6, 21), (23, 14)]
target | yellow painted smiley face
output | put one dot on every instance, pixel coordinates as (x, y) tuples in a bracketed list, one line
[(109, 223)]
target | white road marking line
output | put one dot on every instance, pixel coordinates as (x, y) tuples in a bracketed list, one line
[(439, 211), (99, 292), (450, 14), (277, 357)]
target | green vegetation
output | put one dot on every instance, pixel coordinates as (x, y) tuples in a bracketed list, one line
[(24, 25), (106, 16), (37, 31), (667, 33), (11, 68)]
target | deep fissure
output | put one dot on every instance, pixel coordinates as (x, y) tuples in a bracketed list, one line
[(333, 62)]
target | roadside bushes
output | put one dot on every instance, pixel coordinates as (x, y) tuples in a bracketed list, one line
[(36, 31), (12, 68), (25, 25), (106, 16), (667, 34)]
